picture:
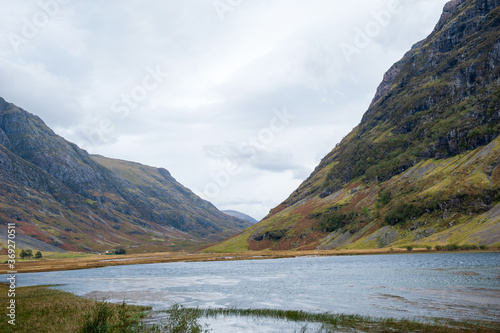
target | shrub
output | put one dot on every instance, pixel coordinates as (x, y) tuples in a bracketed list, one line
[(366, 211), (98, 321), (385, 197), (455, 247), (468, 247), (26, 254), (428, 247), (451, 247), (119, 250), (409, 248), (108, 318), (183, 320), (38, 255), (126, 322), (483, 247), (402, 213), (336, 220)]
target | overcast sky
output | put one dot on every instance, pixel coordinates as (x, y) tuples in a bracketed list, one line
[(238, 99)]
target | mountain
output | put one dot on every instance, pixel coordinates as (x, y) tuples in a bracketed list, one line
[(59, 194), (240, 215), (422, 167)]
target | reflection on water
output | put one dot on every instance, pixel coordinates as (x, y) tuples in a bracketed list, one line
[(246, 324), (446, 285)]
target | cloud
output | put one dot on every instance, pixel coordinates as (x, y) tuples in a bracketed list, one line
[(226, 78), (275, 160), (49, 94)]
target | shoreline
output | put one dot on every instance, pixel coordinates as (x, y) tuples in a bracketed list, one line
[(96, 261)]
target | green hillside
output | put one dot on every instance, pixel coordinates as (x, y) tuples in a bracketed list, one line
[(422, 167)]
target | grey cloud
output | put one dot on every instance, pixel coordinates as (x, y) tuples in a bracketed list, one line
[(267, 159), (225, 79)]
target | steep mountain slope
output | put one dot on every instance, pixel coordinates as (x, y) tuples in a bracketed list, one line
[(58, 193), (423, 164)]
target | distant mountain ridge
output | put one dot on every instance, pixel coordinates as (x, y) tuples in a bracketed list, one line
[(59, 194), (423, 166), (240, 215)]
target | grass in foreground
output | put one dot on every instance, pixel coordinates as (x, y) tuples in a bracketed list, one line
[(343, 322), (40, 309)]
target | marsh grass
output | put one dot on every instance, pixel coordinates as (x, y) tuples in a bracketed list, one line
[(43, 310), (342, 322), (40, 309)]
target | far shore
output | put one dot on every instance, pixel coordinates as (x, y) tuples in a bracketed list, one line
[(72, 261)]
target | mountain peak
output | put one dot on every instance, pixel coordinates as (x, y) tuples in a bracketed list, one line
[(240, 215)]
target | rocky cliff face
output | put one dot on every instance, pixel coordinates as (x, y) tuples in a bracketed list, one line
[(59, 194), (440, 100), (436, 108)]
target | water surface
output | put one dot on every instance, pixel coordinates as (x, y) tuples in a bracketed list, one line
[(445, 285)]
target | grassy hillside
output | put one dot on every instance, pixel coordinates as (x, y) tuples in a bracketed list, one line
[(454, 200)]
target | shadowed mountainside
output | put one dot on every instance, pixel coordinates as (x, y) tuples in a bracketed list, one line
[(57, 193)]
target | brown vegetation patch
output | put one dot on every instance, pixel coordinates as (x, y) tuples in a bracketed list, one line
[(32, 231), (310, 247), (306, 208), (352, 186), (303, 241), (277, 209), (312, 241), (495, 175), (303, 224), (260, 245), (358, 197)]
